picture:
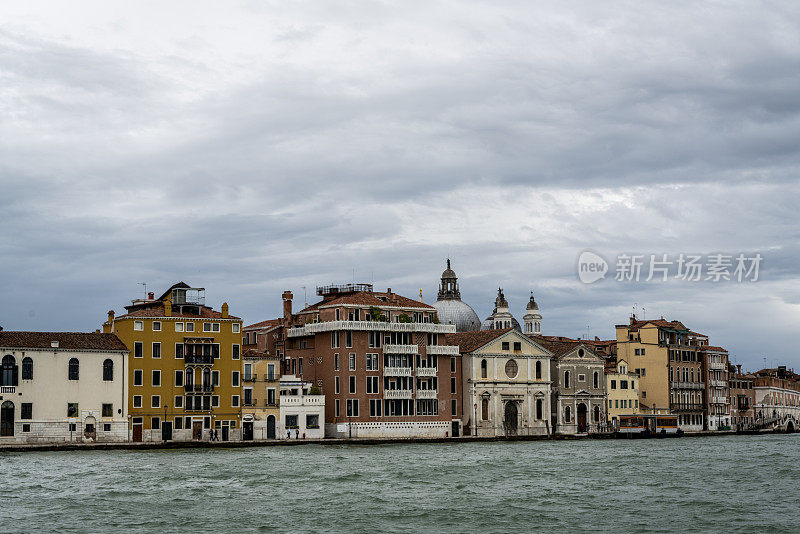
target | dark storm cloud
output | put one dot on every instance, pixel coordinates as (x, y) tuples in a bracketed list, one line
[(263, 147)]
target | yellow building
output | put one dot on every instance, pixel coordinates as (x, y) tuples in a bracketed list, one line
[(260, 395), (184, 370), (622, 390)]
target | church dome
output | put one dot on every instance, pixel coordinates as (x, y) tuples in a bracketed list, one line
[(488, 323), (459, 313), (532, 304)]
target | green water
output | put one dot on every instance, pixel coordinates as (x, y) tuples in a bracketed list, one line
[(710, 484)]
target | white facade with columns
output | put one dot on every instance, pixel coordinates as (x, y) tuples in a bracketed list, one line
[(506, 383)]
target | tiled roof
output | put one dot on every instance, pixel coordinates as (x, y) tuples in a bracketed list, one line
[(66, 340), (559, 348), (158, 311), (712, 348), (469, 341), (663, 323), (263, 324), (364, 298)]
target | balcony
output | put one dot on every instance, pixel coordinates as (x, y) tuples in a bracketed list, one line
[(719, 400), (426, 371), (397, 371), (427, 393), (685, 407), (8, 389), (400, 349), (250, 403), (397, 394), (198, 359), (445, 350), (688, 385), (303, 400), (714, 383), (370, 326), (272, 378), (717, 365), (198, 388), (250, 378)]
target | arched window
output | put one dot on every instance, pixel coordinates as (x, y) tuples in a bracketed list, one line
[(108, 370), (597, 414), (188, 378), (7, 418), (596, 380), (484, 371), (566, 379), (538, 408), (485, 409), (538, 370), (206, 377), (27, 368), (567, 415), (9, 371), (74, 367)]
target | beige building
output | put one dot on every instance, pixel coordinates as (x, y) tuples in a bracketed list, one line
[(63, 386), (622, 391), (260, 395), (506, 385)]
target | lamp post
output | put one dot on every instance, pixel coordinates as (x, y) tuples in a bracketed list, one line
[(475, 418)]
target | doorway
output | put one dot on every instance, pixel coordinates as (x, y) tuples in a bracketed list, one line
[(90, 428), (511, 418), (7, 419), (247, 431), (225, 433), (197, 430), (271, 427), (582, 428), (455, 429), (137, 433), (166, 431)]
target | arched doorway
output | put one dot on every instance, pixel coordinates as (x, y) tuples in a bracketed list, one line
[(510, 422), (7, 419), (270, 427), (582, 418), (90, 428), (790, 427)]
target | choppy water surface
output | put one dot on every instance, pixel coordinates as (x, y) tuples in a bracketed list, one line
[(732, 484)]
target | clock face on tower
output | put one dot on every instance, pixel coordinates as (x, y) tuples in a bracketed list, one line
[(511, 368)]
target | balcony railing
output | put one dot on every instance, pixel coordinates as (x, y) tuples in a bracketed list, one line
[(250, 378), (446, 350), (397, 394), (8, 389), (426, 371), (271, 378), (717, 365), (719, 400), (397, 371), (714, 383), (427, 393), (195, 359), (400, 349), (687, 385), (250, 403), (300, 400), (379, 326), (685, 407), (199, 388)]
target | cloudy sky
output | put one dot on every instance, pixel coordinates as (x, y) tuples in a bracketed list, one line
[(259, 146)]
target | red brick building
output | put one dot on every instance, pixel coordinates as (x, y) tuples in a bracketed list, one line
[(379, 358)]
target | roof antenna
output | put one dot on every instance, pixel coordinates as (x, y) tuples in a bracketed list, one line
[(145, 288), (644, 313)]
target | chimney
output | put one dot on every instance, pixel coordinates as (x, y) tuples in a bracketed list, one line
[(110, 315), (287, 305), (151, 295), (97, 331), (167, 308), (224, 310), (739, 368)]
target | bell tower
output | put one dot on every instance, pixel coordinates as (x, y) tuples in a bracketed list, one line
[(533, 319)]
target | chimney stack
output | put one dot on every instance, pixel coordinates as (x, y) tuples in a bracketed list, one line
[(224, 310), (151, 295), (110, 315), (738, 368), (287, 305), (167, 307)]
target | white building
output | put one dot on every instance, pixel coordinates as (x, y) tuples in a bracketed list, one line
[(301, 413), (506, 383), (62, 386)]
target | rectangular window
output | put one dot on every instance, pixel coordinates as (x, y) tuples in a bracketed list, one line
[(156, 350), (138, 375), (155, 423), (271, 396), (300, 366), (215, 378), (581, 378), (374, 407), (616, 403), (215, 401), (206, 327), (179, 423), (236, 351), (179, 327), (453, 406), (642, 352), (178, 378), (453, 385), (372, 362), (352, 384), (505, 345), (179, 351), (613, 384), (517, 345), (372, 385), (312, 420), (155, 401), (137, 401), (336, 408), (190, 327), (178, 401), (106, 427), (138, 325), (348, 338), (235, 401), (215, 350), (452, 364), (107, 410), (156, 326), (636, 352), (352, 361), (156, 378), (26, 410), (138, 350), (235, 378), (336, 362), (623, 384), (215, 327), (335, 340), (352, 407), (236, 328), (336, 385)]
